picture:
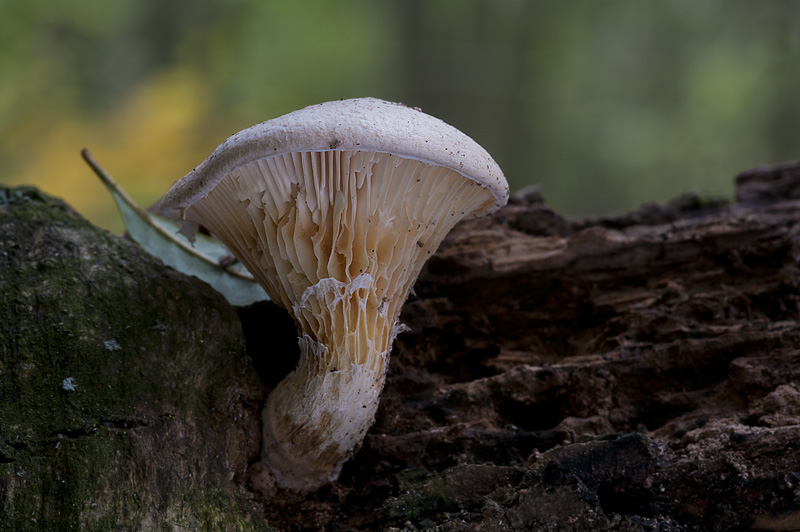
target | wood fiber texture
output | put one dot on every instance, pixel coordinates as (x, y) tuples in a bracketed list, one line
[(631, 372)]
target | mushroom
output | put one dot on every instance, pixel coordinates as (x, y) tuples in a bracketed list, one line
[(334, 209)]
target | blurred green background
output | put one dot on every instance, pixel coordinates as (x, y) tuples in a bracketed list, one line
[(605, 104)]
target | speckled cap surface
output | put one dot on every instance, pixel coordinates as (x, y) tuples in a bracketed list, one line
[(363, 124)]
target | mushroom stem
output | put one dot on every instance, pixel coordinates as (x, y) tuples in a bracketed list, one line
[(314, 420), (318, 415)]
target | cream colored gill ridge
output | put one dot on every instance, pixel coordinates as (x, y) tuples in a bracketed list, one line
[(338, 237)]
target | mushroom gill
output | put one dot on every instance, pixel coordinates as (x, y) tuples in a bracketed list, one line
[(337, 237)]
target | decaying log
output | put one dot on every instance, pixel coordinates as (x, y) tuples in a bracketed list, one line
[(631, 372)]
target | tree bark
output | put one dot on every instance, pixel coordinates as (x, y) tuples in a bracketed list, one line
[(632, 372), (127, 400)]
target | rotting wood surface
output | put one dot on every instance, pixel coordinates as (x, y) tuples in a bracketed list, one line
[(631, 372)]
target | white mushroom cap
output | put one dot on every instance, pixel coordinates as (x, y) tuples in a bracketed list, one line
[(334, 209), (362, 124)]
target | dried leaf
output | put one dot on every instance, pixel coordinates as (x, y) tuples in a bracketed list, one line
[(158, 236)]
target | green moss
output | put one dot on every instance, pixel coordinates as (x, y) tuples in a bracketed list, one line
[(208, 517), (118, 380)]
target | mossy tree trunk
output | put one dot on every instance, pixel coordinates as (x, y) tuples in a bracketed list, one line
[(127, 401)]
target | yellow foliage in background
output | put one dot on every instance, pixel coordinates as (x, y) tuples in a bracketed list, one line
[(157, 135)]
